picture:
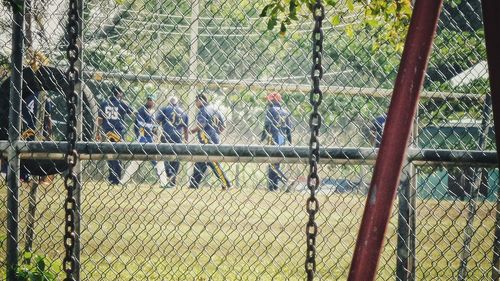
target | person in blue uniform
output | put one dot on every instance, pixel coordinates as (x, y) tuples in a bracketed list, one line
[(145, 129), (30, 106), (112, 113), (277, 130), (29, 112), (174, 122), (144, 125), (209, 125), (376, 130)]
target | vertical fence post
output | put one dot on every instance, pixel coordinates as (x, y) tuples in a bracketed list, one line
[(395, 139), (491, 19), (405, 264), (413, 222), (28, 34), (30, 223), (193, 56), (16, 83), (237, 176), (473, 178), (79, 131), (193, 69), (403, 233)]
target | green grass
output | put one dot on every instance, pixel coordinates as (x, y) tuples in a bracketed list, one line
[(143, 232)]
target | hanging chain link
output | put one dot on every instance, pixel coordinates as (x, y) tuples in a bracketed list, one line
[(316, 98), (70, 180)]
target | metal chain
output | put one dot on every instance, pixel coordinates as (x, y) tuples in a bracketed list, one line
[(70, 180), (315, 98)]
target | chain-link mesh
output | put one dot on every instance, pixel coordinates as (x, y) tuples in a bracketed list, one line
[(138, 222)]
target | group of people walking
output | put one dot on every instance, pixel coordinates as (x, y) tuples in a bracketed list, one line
[(173, 122)]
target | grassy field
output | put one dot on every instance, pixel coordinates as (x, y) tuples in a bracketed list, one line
[(140, 232)]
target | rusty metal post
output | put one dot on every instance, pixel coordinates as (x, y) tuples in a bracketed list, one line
[(395, 139), (491, 19)]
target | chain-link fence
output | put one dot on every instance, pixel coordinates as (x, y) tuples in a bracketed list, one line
[(161, 72)]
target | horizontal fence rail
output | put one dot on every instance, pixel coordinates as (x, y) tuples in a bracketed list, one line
[(268, 85), (242, 153)]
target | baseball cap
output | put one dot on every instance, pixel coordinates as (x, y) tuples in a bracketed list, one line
[(273, 96)]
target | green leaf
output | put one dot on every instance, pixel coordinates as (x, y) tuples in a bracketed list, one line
[(283, 29), (37, 276), (331, 2), (266, 10), (281, 7), (406, 9), (310, 7), (372, 22), (273, 21), (23, 274), (350, 5), (455, 3), (349, 31), (480, 34), (293, 9), (392, 8), (40, 263), (27, 255), (336, 20), (399, 46)]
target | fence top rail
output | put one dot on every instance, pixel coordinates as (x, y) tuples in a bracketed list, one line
[(269, 85), (242, 153)]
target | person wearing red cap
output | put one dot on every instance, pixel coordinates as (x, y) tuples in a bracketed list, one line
[(277, 130)]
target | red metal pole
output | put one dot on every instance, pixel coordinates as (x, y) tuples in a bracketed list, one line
[(491, 19), (395, 139)]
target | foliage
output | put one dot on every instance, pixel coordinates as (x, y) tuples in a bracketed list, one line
[(17, 5), (439, 110), (459, 15), (39, 269), (393, 15), (364, 55), (3, 238), (454, 52), (4, 61)]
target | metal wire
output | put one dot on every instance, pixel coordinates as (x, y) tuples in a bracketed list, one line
[(147, 228)]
